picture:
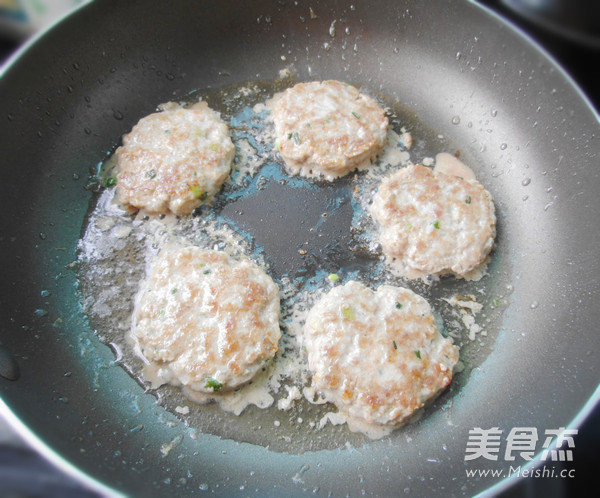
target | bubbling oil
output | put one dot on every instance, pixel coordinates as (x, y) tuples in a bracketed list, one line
[(301, 231)]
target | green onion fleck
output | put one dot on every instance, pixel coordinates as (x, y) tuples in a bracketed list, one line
[(418, 354), (395, 345), (296, 137), (333, 277), (197, 192), (151, 174), (213, 384), (348, 313), (356, 115), (399, 306), (111, 181), (436, 224), (173, 291), (468, 199), (206, 272)]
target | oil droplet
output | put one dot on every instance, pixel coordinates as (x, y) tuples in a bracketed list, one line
[(332, 28), (526, 182), (456, 120), (118, 115), (503, 146), (40, 312), (203, 487), (45, 293), (458, 56), (534, 305), (494, 112), (43, 236)]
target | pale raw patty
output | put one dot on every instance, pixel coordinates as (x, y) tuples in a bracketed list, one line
[(328, 128), (174, 160), (377, 355), (208, 321), (434, 223)]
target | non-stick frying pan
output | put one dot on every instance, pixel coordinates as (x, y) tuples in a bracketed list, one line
[(452, 70)]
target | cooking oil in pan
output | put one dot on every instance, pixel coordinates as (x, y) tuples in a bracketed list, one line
[(309, 235)]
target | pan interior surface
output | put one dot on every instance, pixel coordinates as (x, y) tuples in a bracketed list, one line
[(302, 231), (456, 77)]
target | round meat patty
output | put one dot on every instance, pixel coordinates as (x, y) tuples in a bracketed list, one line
[(207, 321), (174, 160), (434, 223), (327, 128), (377, 355)]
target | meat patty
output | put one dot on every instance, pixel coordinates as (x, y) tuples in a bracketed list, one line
[(207, 321), (377, 355), (327, 128), (174, 160), (434, 223)]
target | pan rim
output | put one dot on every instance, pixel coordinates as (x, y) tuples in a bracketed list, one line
[(72, 469), (52, 456)]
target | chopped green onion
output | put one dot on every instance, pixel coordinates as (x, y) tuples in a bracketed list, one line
[(418, 354), (213, 384), (399, 306), (333, 277), (356, 115), (436, 224), (111, 181), (151, 174), (348, 313), (206, 272), (197, 192), (468, 199), (296, 137), (395, 345), (173, 291), (213, 147)]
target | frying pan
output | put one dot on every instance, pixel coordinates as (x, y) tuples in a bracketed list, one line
[(454, 71)]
